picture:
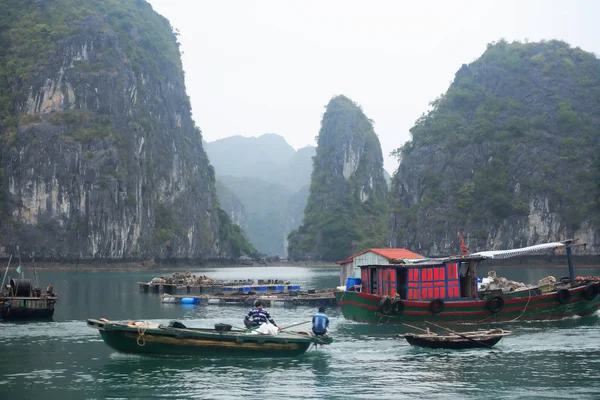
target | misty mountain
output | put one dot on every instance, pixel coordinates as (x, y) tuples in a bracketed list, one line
[(269, 179)]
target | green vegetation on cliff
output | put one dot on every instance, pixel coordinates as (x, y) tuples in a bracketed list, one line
[(519, 122), (347, 206), (92, 96)]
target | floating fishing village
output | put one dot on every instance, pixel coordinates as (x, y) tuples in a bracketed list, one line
[(301, 200), (383, 286)]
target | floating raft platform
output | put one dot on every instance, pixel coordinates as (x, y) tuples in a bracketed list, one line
[(146, 287), (273, 300), (170, 288)]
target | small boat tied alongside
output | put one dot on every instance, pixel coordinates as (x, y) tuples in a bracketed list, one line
[(456, 340), (446, 290), (176, 339), (21, 300), (453, 340)]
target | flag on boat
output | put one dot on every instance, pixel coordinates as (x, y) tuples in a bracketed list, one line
[(19, 269)]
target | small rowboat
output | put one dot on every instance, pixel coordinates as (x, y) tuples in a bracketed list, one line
[(177, 339), (456, 341)]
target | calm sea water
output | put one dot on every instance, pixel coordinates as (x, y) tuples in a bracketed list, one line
[(64, 359)]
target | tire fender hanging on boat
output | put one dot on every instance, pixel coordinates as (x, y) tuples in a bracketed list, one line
[(385, 305), (495, 304), (397, 307), (436, 306), (591, 291), (563, 296)]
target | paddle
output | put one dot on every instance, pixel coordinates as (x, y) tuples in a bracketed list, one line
[(461, 335), (300, 323), (414, 327)]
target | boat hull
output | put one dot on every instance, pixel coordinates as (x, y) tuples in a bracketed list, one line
[(189, 342), (525, 305), (452, 345), (22, 308)]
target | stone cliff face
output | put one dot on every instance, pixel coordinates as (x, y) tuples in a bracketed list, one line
[(347, 205), (100, 158), (508, 157)]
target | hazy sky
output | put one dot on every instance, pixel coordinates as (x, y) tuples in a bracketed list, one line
[(255, 67)]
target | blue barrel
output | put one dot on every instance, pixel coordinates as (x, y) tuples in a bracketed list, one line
[(262, 288), (245, 288), (295, 287), (189, 300), (280, 288), (352, 282)]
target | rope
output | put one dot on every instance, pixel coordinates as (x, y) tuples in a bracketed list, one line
[(141, 328), (524, 309)]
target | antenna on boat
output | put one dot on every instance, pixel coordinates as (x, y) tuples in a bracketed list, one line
[(463, 247)]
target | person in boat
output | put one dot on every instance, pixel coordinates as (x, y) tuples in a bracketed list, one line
[(50, 290), (320, 322), (258, 316)]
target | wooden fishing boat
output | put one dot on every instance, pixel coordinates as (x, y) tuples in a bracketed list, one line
[(19, 300), (445, 290), (177, 339), (456, 341)]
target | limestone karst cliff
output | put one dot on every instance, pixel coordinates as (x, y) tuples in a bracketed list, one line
[(100, 156), (347, 205), (509, 156)]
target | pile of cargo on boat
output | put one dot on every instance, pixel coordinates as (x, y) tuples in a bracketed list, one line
[(493, 282)]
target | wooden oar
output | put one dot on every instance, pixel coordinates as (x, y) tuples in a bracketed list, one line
[(300, 323), (417, 328), (461, 335)]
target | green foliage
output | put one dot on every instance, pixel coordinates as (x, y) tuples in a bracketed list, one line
[(232, 234), (524, 116), (338, 220), (167, 225)]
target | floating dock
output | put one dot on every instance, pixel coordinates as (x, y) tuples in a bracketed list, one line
[(324, 298), (171, 288)]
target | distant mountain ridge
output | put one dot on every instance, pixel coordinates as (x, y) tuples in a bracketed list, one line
[(262, 182)]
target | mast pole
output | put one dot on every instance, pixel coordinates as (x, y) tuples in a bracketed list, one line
[(37, 283), (570, 261), (5, 273)]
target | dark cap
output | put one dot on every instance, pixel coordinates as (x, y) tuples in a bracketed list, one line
[(258, 303)]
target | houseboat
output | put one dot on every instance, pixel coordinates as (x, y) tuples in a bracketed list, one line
[(445, 290)]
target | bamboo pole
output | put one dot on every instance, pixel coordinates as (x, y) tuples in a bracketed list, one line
[(37, 283), (461, 335), (300, 323), (5, 273)]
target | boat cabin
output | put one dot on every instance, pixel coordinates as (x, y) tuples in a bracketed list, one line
[(351, 267), (427, 279)]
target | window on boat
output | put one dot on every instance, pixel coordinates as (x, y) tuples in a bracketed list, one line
[(434, 282)]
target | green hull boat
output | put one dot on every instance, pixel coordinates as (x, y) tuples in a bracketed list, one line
[(445, 290), (178, 340)]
